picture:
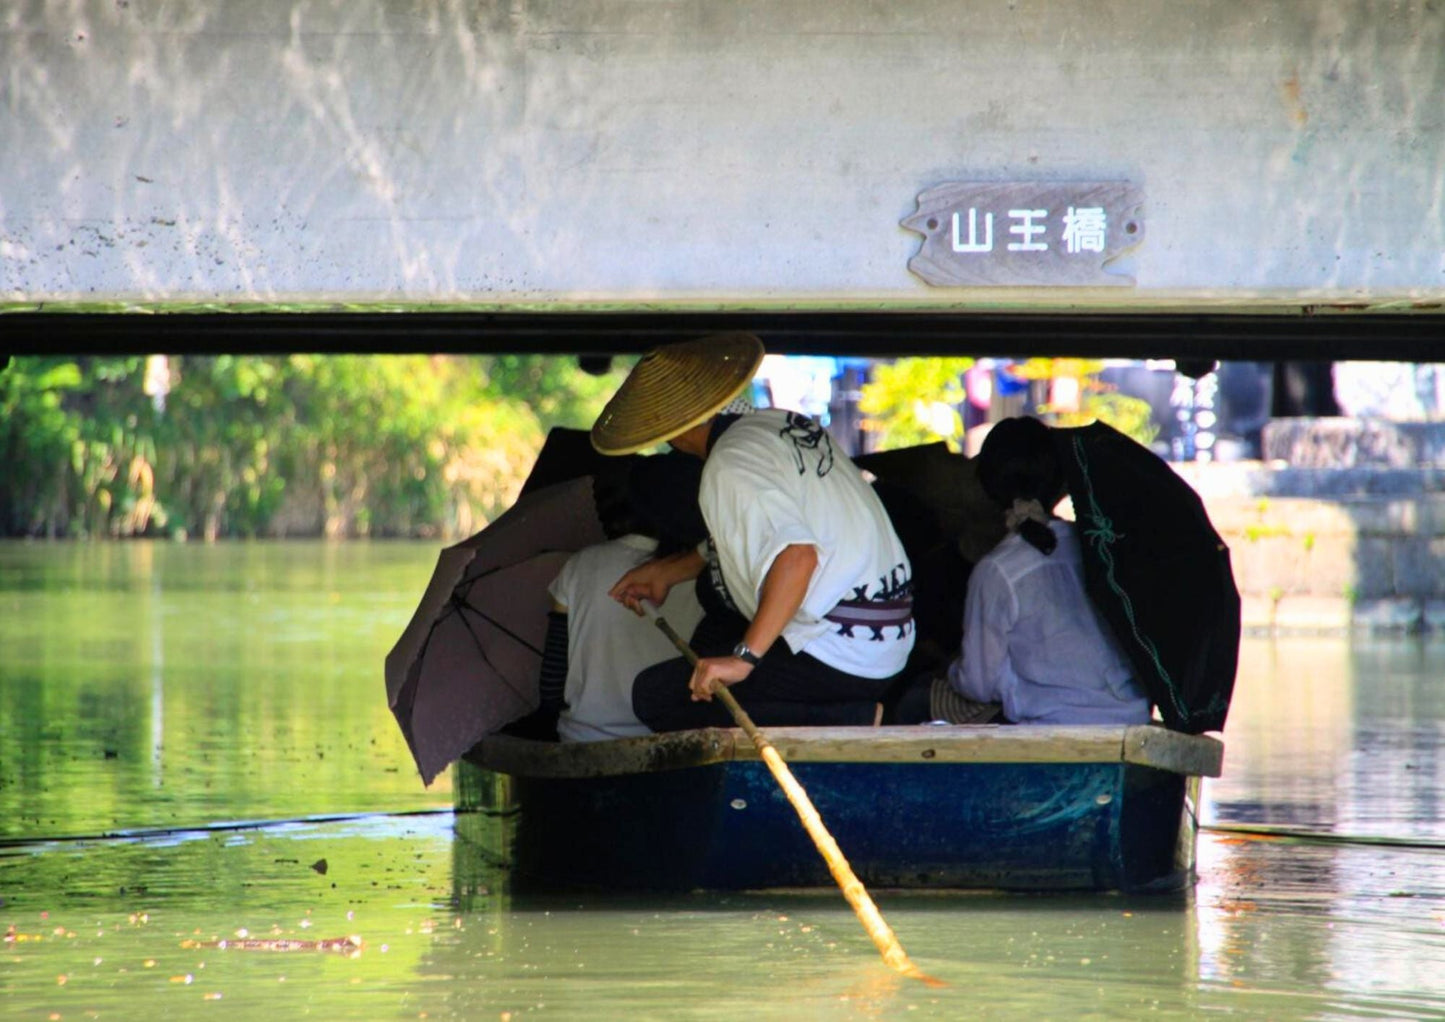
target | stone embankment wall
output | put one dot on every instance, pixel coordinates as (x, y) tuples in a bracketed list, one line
[(1341, 527)]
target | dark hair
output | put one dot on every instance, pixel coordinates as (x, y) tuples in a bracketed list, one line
[(1018, 461), (611, 497), (662, 492)]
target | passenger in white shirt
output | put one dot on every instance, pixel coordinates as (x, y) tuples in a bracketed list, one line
[(1032, 639), (607, 644), (595, 646)]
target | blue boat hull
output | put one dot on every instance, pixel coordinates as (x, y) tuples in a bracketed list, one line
[(727, 826)]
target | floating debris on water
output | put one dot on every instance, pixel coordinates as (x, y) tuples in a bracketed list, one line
[(350, 945)]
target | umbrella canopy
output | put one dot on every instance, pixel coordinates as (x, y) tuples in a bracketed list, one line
[(469, 661), (1158, 573)]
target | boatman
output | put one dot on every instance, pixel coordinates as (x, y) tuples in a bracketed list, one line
[(798, 541)]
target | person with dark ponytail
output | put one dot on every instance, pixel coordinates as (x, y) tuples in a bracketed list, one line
[(1032, 640)]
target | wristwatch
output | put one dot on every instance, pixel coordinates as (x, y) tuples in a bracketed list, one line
[(742, 652)]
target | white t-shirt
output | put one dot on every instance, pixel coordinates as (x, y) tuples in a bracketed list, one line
[(771, 480), (1033, 641), (607, 644)]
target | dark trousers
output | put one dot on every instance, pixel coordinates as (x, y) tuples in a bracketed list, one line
[(784, 689)]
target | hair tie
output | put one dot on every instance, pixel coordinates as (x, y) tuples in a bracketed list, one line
[(1024, 511)]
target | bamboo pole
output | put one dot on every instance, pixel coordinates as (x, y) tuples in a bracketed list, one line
[(873, 922)]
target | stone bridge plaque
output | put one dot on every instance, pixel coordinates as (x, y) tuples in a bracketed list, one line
[(990, 234)]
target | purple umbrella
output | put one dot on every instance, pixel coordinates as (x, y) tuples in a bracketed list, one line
[(469, 661)]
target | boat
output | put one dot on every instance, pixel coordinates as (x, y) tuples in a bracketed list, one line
[(1019, 808)]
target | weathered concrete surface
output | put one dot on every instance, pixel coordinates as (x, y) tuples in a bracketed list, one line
[(1328, 563), (1347, 443), (665, 150)]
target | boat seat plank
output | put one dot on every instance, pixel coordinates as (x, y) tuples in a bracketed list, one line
[(648, 754), (1192, 755), (977, 743), (1144, 745)]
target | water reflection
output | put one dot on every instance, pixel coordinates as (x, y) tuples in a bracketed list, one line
[(244, 682), (1339, 737), (126, 928), (787, 955), (147, 684)]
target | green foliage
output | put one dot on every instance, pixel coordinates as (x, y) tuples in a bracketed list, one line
[(915, 401), (1097, 399), (277, 445)]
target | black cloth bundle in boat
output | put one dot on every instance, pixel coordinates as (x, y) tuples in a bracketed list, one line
[(946, 523), (1158, 572)]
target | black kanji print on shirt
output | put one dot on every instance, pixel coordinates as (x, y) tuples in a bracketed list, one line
[(810, 441)]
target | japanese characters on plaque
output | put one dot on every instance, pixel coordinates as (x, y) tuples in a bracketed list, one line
[(989, 234)]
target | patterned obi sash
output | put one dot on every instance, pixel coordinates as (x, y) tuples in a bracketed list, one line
[(874, 614)]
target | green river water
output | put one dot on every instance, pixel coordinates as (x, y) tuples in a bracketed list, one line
[(195, 747)]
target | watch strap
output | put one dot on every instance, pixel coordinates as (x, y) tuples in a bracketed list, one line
[(742, 652)]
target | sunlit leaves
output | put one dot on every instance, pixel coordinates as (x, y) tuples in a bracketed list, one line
[(1091, 398), (915, 401)]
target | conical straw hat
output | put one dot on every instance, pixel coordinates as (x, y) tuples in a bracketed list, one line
[(675, 387)]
